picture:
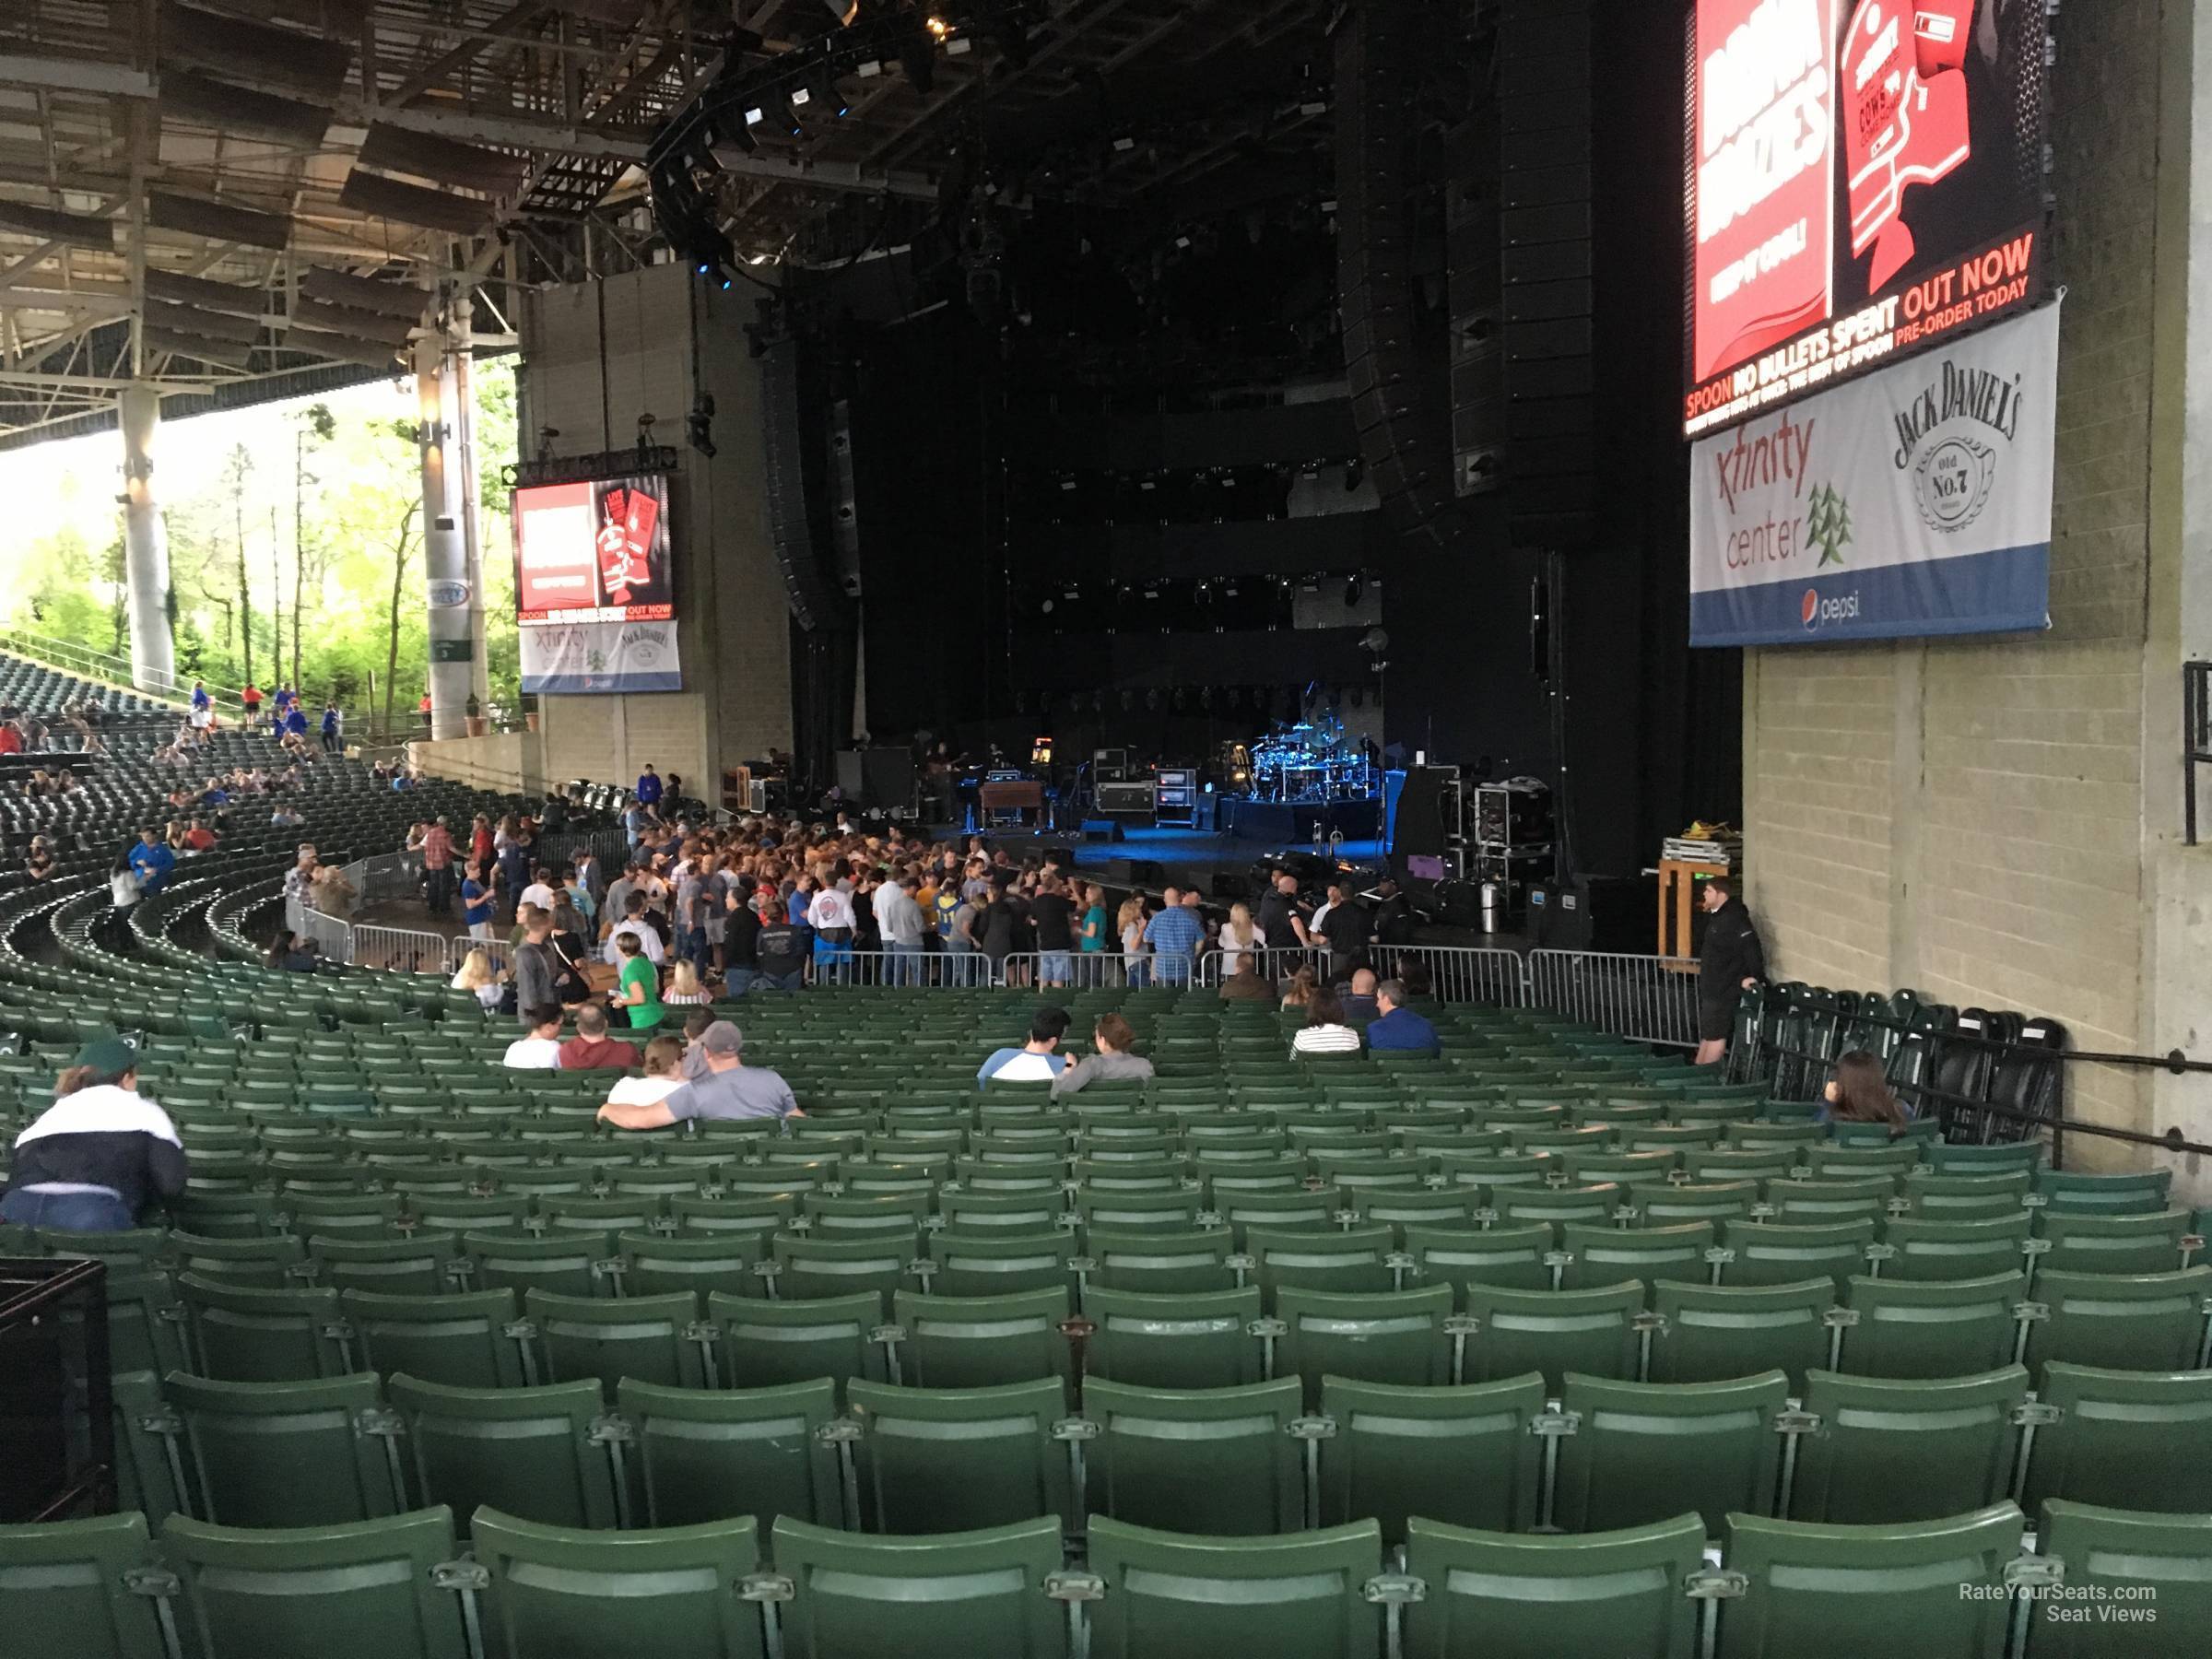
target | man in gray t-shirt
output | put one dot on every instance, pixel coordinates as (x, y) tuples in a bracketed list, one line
[(729, 1089)]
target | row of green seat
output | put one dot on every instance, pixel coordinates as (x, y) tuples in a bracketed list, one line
[(1243, 1459), (400, 1588)]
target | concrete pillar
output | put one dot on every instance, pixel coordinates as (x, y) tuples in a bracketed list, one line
[(448, 527), (145, 543)]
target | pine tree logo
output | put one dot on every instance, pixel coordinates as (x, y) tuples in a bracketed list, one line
[(595, 660), (1827, 524)]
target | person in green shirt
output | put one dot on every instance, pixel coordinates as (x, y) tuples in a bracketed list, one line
[(638, 986), (1092, 936)]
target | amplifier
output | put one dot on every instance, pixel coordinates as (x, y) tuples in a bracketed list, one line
[(1127, 800)]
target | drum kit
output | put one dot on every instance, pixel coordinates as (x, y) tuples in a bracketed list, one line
[(1311, 762)]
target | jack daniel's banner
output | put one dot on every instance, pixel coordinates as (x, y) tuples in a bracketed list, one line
[(1914, 502), (577, 658)]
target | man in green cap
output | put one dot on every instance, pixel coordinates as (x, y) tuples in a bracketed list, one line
[(94, 1157)]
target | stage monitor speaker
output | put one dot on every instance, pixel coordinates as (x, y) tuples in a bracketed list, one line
[(888, 778), (852, 775), (1428, 809), (1101, 830), (1610, 914), (1047, 850)]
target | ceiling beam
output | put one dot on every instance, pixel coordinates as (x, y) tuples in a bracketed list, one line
[(75, 75), (512, 24)]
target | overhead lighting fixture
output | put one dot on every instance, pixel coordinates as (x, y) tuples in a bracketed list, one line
[(938, 27), (822, 88)]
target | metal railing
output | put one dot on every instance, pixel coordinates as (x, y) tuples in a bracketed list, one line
[(1644, 998)]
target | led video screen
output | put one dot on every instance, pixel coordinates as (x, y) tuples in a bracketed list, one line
[(592, 552)]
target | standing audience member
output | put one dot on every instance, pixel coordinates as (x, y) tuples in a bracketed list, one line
[(438, 868), (1129, 925), (637, 986), (1729, 963), (478, 902), (89, 1161), (536, 969), (1176, 936)]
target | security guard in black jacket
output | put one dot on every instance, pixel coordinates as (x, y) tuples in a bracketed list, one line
[(1731, 960)]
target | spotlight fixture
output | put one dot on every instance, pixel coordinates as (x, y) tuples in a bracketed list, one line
[(1355, 590), (1355, 473), (825, 93), (699, 425)]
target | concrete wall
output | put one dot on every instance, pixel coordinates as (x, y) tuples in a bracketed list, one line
[(1977, 819), (502, 760), (595, 357)]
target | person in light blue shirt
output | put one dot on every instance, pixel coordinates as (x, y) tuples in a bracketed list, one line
[(1398, 1029), (1038, 1060), (1176, 936)]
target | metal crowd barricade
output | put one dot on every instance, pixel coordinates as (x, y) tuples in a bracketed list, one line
[(1644, 998), (921, 969), (1463, 974), (400, 949), (333, 935)]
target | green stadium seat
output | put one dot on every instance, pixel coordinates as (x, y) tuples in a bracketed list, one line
[(677, 1592), (1213, 1460), (66, 1589), (1760, 1254), (707, 1455), (1398, 1210), (1924, 1246), (1288, 1210), (1402, 1336), (1138, 1212), (2020, 1156), (955, 1459), (977, 1341), (535, 1451), (1948, 1198), (248, 1335), (2121, 1322), (371, 1590), (2124, 1440), (1711, 1332), (809, 1267), (1596, 1332), (1204, 1340), (1513, 1258), (1927, 1587), (1640, 1453), (1468, 1455), (656, 1265), (1719, 1201), (269, 1264), (464, 1339), (420, 1265), (568, 1263), (1157, 1262), (1888, 1450), (1301, 1595), (652, 1338), (763, 1344), (972, 1593), (1606, 1255), (966, 1265), (1936, 1328), (1521, 1596), (147, 1477), (1591, 1206), (2148, 1571), (1819, 1202), (285, 1454), (1355, 1262), (147, 1323), (2140, 1193), (2095, 1241)]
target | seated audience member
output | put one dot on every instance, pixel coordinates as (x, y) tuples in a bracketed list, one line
[(90, 1161), (40, 865), (728, 1088), (684, 986), (1398, 1028), (475, 973), (1324, 1032), (540, 1051), (592, 1049), (663, 1061), (1115, 1057), (695, 1058), (1245, 984), (1036, 1061), (1299, 992), (1860, 1093), (1413, 973), (1358, 999)]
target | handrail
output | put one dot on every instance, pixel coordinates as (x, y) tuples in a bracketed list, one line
[(112, 670)]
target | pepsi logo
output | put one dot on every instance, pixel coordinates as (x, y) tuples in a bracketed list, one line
[(1810, 610)]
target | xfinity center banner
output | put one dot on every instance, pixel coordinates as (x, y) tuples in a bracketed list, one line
[(567, 658), (1915, 502)]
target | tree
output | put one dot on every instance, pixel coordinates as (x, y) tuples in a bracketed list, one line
[(403, 544), (315, 422), (236, 472)]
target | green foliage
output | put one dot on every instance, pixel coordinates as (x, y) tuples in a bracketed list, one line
[(338, 500)]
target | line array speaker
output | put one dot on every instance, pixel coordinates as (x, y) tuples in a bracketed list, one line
[(844, 515), (791, 517)]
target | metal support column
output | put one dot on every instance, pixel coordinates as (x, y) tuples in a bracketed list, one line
[(145, 543), (448, 522)]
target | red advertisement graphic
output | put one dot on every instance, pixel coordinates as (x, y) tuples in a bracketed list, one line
[(1765, 176), (592, 552), (1904, 117)]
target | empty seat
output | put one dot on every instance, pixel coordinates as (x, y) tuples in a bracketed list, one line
[(266, 1263), (1210, 1339), (420, 1265), (1401, 1337), (953, 1459), (1640, 1453), (1516, 1258), (2147, 1570), (2095, 1241), (763, 1343), (654, 1265), (1940, 1328), (2115, 1194), (705, 1454), (1466, 1454), (1522, 1596), (976, 1341), (979, 1593), (1355, 1262), (1928, 1587), (1709, 1332), (1812, 1203), (2121, 1321), (2124, 1440), (540, 1453), (1763, 1254), (810, 1268), (366, 1590), (566, 1263), (1158, 1262), (466, 1339), (1962, 1197), (1606, 1255), (1591, 1205), (1301, 1596), (679, 1592), (991, 1264), (248, 1335), (1594, 1332), (1212, 1460), (65, 1588), (1889, 1449), (652, 1338), (285, 1454), (1718, 1201), (1925, 1246)]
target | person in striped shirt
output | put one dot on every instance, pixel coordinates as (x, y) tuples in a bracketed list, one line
[(1324, 1032)]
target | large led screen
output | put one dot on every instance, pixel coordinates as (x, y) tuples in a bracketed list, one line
[(1865, 177), (592, 552)]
